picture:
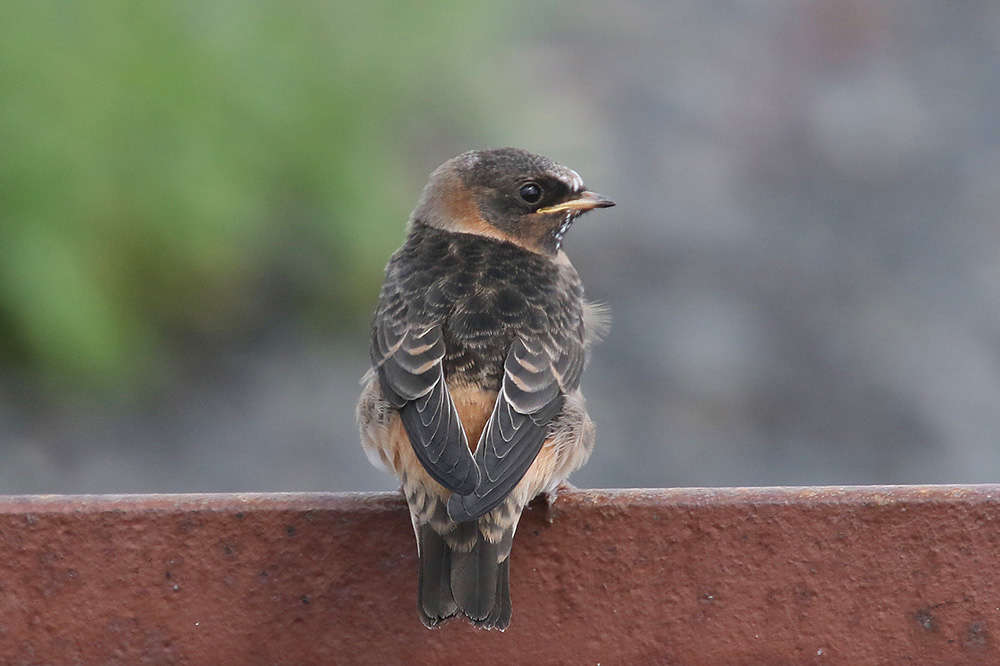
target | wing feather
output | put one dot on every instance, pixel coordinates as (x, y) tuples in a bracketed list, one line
[(410, 371), (531, 395)]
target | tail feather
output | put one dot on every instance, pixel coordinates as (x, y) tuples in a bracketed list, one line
[(499, 617), (474, 578), (435, 602), (463, 572)]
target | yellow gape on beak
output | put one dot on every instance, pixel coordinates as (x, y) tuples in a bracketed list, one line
[(585, 201)]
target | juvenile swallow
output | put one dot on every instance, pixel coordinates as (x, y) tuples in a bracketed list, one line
[(479, 340)]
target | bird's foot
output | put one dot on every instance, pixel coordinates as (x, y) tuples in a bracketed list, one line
[(550, 499)]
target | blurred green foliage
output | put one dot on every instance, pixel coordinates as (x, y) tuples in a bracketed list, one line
[(178, 171)]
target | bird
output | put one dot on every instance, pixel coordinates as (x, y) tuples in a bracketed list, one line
[(478, 343)]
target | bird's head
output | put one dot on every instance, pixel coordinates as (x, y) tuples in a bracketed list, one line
[(508, 194)]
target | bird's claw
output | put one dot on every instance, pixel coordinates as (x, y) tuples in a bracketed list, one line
[(551, 496)]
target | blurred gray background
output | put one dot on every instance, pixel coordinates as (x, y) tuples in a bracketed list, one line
[(197, 201)]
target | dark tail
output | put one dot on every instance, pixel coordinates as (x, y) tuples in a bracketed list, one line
[(435, 602), (463, 573)]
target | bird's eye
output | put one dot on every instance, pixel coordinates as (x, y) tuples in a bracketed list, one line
[(530, 193)]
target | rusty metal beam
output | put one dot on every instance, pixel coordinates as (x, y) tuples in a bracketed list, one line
[(767, 576)]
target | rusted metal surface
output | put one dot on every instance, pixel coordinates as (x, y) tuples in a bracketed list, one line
[(770, 577)]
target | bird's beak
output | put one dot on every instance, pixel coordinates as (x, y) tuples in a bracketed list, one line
[(583, 202)]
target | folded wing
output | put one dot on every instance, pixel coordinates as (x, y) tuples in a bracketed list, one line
[(536, 380), (409, 363)]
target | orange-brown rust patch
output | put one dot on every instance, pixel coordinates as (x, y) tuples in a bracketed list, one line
[(459, 212), (407, 466), (474, 407), (539, 475)]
